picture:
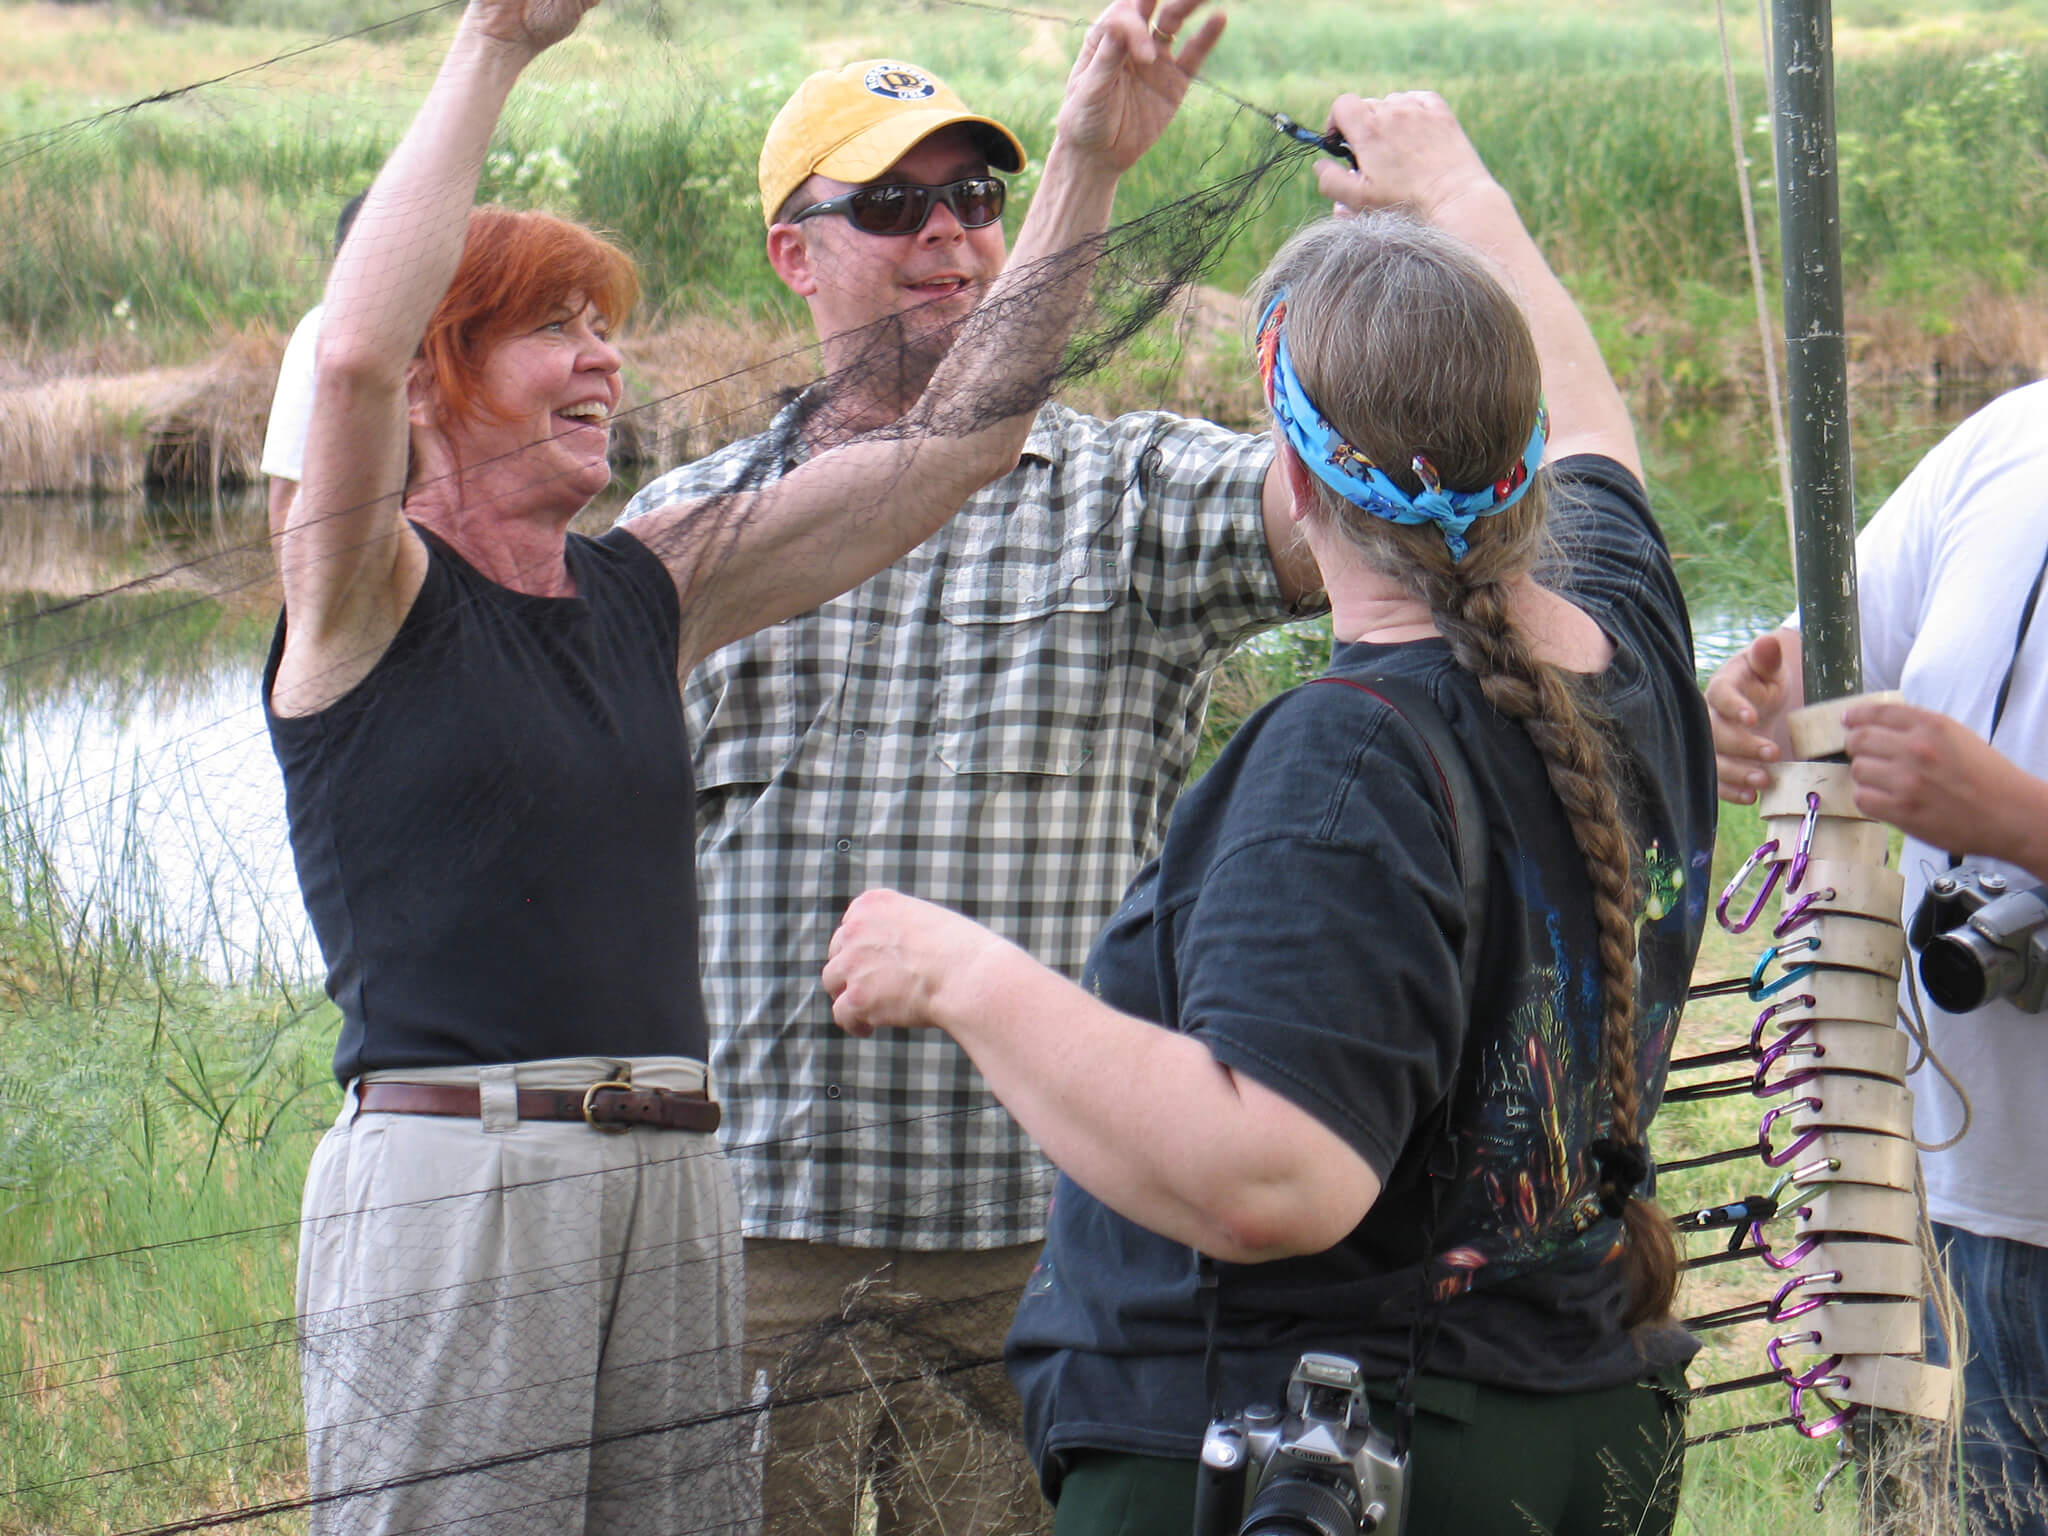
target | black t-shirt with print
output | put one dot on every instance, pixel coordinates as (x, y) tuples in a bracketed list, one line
[(1305, 921)]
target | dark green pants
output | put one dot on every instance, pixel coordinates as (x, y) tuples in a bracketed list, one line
[(1486, 1462)]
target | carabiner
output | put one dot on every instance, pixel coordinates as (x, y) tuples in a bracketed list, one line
[(1822, 1172), (1779, 1310), (1787, 1044), (1814, 1374), (1803, 850), (1800, 912), (1839, 1419), (1805, 1139), (1756, 908), (1811, 1336), (1805, 1246), (1758, 991), (1756, 1034)]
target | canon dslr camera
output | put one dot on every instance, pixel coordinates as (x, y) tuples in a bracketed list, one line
[(1979, 939), (1319, 1470)]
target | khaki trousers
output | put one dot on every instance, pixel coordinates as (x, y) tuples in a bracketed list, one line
[(512, 1327), (884, 1367)]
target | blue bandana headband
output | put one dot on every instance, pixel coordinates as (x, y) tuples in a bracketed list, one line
[(1355, 477)]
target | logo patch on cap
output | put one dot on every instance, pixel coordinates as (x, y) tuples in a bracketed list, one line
[(900, 82)]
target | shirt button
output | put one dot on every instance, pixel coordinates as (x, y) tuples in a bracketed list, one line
[(875, 629), (831, 1090), (844, 845), (859, 735)]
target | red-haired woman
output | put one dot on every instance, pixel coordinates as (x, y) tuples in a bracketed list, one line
[(519, 1282)]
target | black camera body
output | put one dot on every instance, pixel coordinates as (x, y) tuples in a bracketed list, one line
[(1980, 939), (1319, 1469)]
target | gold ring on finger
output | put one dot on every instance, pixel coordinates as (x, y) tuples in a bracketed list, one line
[(1161, 37)]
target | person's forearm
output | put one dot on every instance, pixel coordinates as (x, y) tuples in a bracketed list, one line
[(407, 239), (1586, 407), (1146, 1119)]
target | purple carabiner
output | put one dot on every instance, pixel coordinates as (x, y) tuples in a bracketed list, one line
[(1779, 1310), (1763, 851), (1771, 1011), (1839, 1419), (1803, 850), (1776, 1159), (1815, 1375), (1789, 1043), (1800, 912), (1811, 1336), (1805, 1246)]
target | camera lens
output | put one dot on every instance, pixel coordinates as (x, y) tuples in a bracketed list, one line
[(1293, 1506), (1961, 971)]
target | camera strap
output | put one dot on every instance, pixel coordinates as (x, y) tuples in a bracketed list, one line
[(2005, 683), (1441, 1171)]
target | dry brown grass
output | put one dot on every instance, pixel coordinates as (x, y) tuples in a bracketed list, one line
[(699, 382), (100, 433), (1989, 338), (96, 422)]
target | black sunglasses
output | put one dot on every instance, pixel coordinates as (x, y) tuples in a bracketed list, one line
[(901, 207)]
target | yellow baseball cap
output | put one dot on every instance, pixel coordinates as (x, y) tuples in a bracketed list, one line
[(853, 123)]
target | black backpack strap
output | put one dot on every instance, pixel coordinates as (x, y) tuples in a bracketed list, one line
[(1468, 823), (1468, 818)]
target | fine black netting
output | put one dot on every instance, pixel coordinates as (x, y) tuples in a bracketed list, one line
[(556, 1337), (473, 1378)]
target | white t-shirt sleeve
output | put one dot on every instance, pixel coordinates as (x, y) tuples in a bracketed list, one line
[(1902, 547), (291, 407), (1895, 557)]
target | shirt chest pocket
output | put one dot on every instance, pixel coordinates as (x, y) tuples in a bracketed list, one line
[(1025, 650)]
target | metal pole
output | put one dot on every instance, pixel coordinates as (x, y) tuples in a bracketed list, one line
[(1816, 354), (1824, 489)]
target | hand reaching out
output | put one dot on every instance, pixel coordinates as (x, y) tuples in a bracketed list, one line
[(1130, 77), (1411, 153), (890, 956), (1746, 702), (1941, 782), (530, 24)]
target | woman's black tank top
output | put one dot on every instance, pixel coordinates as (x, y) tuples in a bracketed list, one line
[(495, 829)]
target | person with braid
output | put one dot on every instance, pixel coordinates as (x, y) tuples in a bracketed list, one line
[(1289, 1114)]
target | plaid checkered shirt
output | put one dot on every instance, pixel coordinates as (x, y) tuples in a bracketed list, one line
[(998, 723)]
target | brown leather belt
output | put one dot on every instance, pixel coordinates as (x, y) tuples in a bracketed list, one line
[(601, 1106)]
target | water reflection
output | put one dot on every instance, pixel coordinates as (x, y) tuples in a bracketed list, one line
[(134, 765), (135, 772)]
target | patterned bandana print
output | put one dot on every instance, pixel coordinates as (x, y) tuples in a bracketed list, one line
[(1355, 477)]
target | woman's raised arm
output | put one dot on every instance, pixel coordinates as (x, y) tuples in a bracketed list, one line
[(1413, 154), (349, 574)]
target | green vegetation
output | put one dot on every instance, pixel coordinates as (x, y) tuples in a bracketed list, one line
[(183, 219), (154, 1128)]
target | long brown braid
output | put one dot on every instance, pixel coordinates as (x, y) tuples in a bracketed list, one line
[(1409, 345)]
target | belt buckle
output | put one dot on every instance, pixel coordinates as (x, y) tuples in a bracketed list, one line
[(608, 1127)]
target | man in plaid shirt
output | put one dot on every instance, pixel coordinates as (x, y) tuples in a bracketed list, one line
[(999, 723)]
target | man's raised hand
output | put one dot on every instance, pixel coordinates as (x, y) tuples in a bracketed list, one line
[(1130, 77)]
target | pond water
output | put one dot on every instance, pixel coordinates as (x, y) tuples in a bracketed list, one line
[(136, 781)]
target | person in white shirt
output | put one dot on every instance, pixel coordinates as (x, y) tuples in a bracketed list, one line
[(1947, 576)]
